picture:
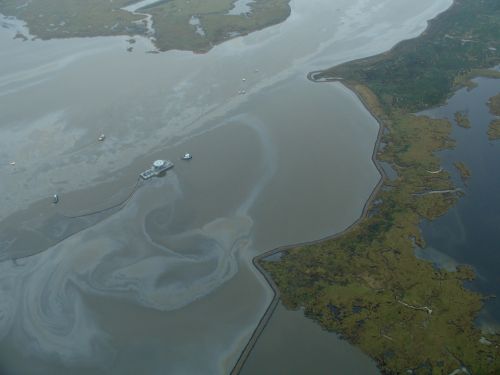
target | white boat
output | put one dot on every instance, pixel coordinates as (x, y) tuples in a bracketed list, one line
[(101, 138), (187, 157), (55, 198)]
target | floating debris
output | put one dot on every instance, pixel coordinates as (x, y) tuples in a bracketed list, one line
[(187, 157), (242, 92)]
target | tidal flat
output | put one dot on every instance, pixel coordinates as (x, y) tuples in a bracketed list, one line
[(108, 298)]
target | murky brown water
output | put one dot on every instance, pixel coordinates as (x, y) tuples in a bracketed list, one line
[(292, 344)]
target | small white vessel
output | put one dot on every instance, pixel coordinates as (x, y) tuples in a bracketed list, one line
[(187, 157), (243, 79), (55, 198), (101, 138), (12, 163)]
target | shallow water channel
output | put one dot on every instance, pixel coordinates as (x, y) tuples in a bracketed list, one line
[(469, 232)]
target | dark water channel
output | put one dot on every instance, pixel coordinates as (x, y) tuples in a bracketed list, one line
[(470, 232)]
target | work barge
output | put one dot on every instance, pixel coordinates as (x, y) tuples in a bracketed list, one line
[(159, 166)]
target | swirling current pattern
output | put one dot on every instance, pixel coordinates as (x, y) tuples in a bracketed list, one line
[(41, 305)]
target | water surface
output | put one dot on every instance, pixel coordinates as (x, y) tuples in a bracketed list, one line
[(168, 274), (292, 344), (469, 232)]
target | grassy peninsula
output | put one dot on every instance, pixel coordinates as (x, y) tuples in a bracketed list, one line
[(195, 25), (175, 21), (366, 284)]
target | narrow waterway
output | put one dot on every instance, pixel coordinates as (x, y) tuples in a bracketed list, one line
[(164, 283)]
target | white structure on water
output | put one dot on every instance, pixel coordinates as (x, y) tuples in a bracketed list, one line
[(159, 166)]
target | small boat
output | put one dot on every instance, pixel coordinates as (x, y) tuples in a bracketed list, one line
[(55, 198), (101, 138), (12, 163), (243, 79), (187, 157)]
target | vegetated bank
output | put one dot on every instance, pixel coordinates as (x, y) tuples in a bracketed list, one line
[(366, 284), (195, 25), (494, 128), (463, 171)]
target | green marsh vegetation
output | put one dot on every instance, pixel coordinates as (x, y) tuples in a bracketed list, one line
[(462, 120), (463, 171), (174, 31), (195, 25), (49, 19), (494, 104), (494, 128), (366, 284), (459, 44)]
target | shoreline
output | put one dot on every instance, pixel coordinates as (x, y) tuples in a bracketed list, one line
[(255, 261), (277, 295), (327, 281), (270, 309), (149, 22)]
